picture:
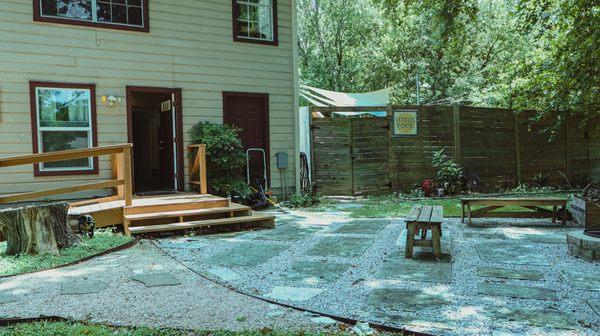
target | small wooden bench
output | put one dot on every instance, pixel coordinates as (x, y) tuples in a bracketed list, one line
[(421, 219), (532, 203)]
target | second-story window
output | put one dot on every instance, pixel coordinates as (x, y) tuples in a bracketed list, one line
[(122, 14), (255, 21)]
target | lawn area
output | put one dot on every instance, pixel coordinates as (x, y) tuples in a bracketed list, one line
[(394, 206), (102, 241), (77, 329)]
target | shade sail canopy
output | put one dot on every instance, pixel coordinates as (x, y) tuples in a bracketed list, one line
[(322, 98)]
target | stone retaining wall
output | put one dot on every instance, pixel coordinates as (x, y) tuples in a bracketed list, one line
[(583, 246)]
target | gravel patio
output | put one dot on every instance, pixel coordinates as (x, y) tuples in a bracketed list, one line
[(494, 279)]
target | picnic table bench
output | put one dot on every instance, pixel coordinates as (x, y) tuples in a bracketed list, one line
[(532, 203), (423, 218)]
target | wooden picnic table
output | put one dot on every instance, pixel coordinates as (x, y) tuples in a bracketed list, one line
[(421, 219), (532, 203)]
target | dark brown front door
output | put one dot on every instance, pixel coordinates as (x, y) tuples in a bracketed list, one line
[(250, 112), (154, 128)]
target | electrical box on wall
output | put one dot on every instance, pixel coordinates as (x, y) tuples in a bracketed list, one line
[(282, 160)]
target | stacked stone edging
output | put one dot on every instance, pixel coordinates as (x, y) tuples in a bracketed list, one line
[(583, 246)]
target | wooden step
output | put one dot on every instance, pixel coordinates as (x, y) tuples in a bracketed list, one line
[(233, 207), (215, 202), (203, 223)]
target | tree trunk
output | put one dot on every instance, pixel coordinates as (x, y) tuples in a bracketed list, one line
[(37, 229)]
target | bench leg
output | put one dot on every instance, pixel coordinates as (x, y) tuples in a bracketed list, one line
[(554, 213), (462, 213), (469, 213), (410, 240), (435, 237), (564, 215)]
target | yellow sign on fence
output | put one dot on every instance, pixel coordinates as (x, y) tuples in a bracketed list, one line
[(405, 122)]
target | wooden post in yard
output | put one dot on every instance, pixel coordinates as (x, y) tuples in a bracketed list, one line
[(456, 119), (117, 172), (127, 188), (203, 183)]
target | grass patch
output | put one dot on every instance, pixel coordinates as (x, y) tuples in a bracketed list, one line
[(394, 206), (77, 329), (102, 241)]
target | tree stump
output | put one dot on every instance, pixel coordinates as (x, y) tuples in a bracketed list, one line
[(37, 229)]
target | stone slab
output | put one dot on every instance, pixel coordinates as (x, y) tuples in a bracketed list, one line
[(548, 318), (289, 232), (423, 322), (595, 304), (82, 287), (546, 237), (416, 270), (7, 297), (486, 235), (341, 247), (362, 227), (505, 273), (188, 245), (223, 273), (156, 279), (245, 254), (324, 320), (390, 299), (293, 293), (511, 253), (582, 280), (523, 292), (314, 272)]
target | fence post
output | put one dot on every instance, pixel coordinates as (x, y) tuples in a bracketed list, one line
[(456, 124), (517, 148)]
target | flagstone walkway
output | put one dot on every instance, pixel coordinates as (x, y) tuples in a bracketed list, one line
[(514, 280), (499, 280)]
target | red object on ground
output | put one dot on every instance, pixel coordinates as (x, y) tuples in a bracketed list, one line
[(428, 187)]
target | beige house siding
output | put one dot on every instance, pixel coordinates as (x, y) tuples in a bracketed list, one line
[(189, 46)]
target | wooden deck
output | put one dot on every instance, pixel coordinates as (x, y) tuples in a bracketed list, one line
[(171, 213)]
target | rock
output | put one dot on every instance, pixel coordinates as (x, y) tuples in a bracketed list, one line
[(276, 313), (363, 329), (323, 320)]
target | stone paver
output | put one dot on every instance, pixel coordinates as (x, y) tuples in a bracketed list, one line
[(511, 253), (335, 246), (7, 297), (82, 287), (385, 299), (595, 304), (523, 292), (362, 227), (505, 273), (223, 273), (540, 318), (183, 244), (416, 270), (245, 254), (421, 322), (486, 235), (580, 280), (314, 272), (289, 232), (156, 279), (547, 237), (293, 293)]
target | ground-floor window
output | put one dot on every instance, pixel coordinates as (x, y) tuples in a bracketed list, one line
[(63, 118)]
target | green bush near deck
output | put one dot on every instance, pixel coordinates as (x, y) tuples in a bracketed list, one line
[(102, 241)]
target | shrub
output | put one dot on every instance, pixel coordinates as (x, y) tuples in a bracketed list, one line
[(225, 158), (303, 200), (448, 171)]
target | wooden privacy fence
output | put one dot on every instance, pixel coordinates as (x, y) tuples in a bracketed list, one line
[(121, 179), (354, 156)]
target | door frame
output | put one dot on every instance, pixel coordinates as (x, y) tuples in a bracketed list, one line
[(178, 122), (265, 101)]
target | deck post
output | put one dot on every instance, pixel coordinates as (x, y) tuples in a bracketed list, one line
[(202, 156), (127, 187), (117, 172)]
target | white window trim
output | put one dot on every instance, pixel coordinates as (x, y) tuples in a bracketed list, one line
[(95, 16), (247, 22), (41, 129)]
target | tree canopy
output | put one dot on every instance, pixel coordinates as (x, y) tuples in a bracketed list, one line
[(540, 54)]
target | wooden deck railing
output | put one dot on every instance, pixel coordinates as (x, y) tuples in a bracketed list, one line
[(197, 167), (121, 179)]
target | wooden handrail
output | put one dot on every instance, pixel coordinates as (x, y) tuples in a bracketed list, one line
[(197, 167), (121, 179)]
